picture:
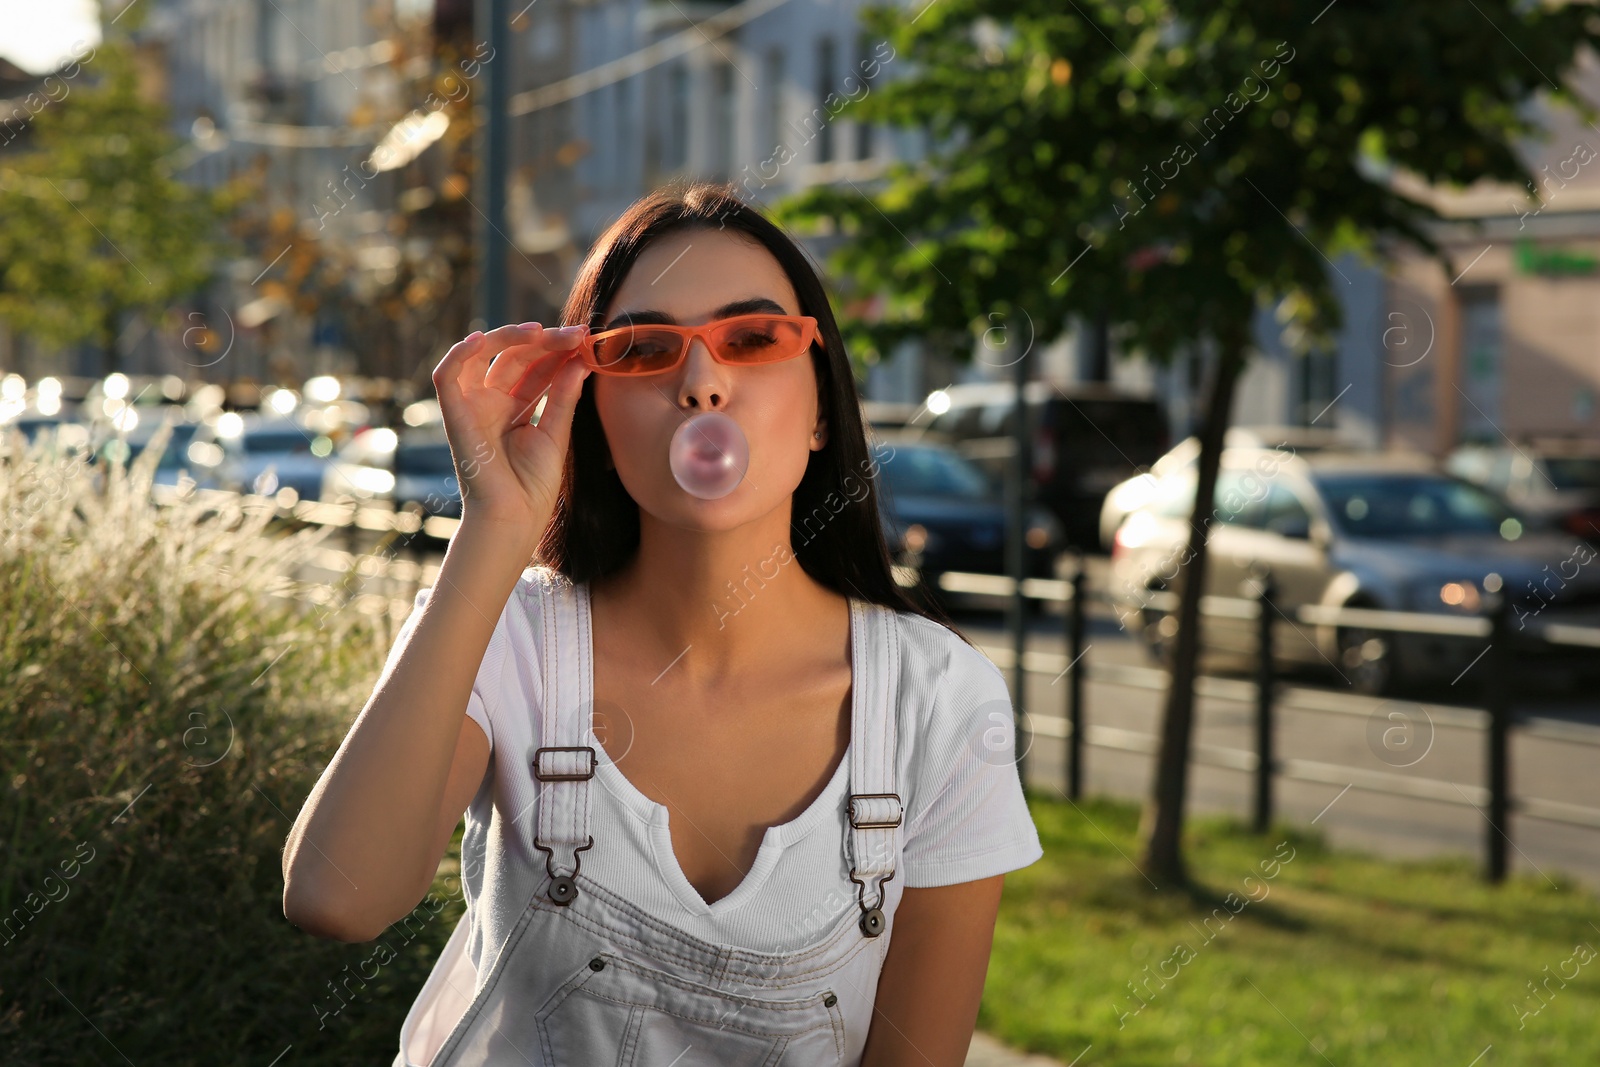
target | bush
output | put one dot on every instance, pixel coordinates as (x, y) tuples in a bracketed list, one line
[(168, 710)]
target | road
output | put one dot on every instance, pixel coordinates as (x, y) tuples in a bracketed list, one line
[(1401, 778)]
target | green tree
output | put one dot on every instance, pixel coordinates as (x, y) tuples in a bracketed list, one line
[(93, 224), (1176, 165)]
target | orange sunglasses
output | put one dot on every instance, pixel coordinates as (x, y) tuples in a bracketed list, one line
[(632, 351)]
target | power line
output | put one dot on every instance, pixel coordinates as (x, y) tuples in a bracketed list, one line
[(703, 32)]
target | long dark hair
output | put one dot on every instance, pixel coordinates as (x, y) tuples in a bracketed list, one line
[(835, 532)]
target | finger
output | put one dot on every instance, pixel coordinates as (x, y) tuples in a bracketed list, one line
[(448, 374), (497, 343), (539, 356), (556, 420)]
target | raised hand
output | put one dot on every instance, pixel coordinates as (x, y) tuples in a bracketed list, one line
[(489, 384)]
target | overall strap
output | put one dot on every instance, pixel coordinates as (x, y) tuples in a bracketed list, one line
[(565, 760), (874, 807)]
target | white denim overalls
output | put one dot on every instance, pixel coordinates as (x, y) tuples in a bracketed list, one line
[(585, 978)]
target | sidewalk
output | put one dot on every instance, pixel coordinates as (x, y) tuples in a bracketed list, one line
[(988, 1052)]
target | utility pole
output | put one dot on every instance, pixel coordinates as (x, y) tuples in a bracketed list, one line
[(493, 162), (1017, 495)]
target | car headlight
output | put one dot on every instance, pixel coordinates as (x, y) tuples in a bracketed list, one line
[(1463, 596), (1456, 596)]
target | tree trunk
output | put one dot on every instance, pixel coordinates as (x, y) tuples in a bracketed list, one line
[(109, 330), (1162, 822)]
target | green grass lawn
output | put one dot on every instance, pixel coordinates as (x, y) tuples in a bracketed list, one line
[(1319, 956)]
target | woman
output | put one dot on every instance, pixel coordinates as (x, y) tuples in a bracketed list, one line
[(721, 808)]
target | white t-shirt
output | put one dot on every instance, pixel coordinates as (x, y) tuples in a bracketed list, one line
[(965, 814)]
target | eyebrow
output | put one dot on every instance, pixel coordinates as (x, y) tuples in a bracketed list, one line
[(739, 307)]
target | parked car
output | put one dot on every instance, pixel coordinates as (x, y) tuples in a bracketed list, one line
[(881, 415), (1390, 532), (1140, 489), (409, 467), (264, 454), (1556, 482), (425, 473), (363, 470), (942, 513), (31, 421), (125, 446), (1084, 440)]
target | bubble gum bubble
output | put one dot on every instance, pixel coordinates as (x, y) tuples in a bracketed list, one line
[(709, 455)]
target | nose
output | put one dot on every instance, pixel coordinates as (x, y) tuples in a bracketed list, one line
[(702, 381)]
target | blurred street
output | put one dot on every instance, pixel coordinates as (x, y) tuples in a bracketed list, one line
[(1226, 371), (1325, 733)]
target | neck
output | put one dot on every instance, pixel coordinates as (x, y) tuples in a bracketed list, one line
[(705, 605)]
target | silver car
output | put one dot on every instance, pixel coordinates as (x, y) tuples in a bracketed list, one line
[(1370, 530)]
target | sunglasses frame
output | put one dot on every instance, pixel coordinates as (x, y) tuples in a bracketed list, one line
[(807, 323)]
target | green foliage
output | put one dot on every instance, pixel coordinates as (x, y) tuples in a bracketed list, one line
[(1320, 950), (93, 222), (164, 718), (1186, 160)]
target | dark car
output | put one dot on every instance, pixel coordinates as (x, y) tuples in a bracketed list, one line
[(31, 422), (1085, 439), (424, 473), (942, 513), (409, 466), (126, 447)]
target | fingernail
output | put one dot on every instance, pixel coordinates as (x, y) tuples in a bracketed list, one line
[(526, 325), (570, 331), (475, 335)]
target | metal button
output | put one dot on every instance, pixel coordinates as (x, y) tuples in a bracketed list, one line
[(563, 889), (830, 1000), (872, 922), (597, 964)]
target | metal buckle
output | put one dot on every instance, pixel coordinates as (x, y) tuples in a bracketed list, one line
[(872, 921), (583, 776), (563, 888), (875, 796)]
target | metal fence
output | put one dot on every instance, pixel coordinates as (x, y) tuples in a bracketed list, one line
[(1494, 718), (1266, 692)]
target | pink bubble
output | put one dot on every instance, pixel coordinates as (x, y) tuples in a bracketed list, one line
[(709, 455)]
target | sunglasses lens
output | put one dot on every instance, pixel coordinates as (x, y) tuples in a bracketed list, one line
[(744, 340), (638, 351), (760, 340)]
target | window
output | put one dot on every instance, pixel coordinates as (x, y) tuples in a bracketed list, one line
[(1239, 498), (772, 121), (864, 62), (723, 104), (1285, 512), (677, 148), (1500, 472), (825, 86), (1574, 472), (1410, 505), (910, 471), (960, 422), (625, 134), (1479, 398)]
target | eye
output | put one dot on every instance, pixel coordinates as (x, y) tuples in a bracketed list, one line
[(647, 348), (638, 345), (752, 338)]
